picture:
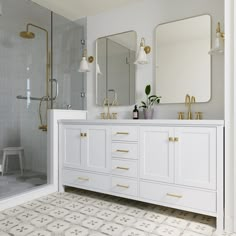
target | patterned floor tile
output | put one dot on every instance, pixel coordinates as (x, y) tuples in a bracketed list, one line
[(27, 215), (58, 226), (8, 223), (155, 217), (190, 233), (41, 221), (106, 215), (166, 230), (75, 217), (91, 214), (77, 230), (73, 206), (22, 229), (59, 212), (112, 229), (125, 220), (133, 232), (40, 233), (145, 225), (201, 228), (14, 211), (118, 208), (89, 210), (92, 223), (176, 222)]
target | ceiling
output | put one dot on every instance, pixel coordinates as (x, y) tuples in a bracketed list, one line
[(75, 9)]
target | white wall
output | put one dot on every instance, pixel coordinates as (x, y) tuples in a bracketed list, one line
[(143, 17)]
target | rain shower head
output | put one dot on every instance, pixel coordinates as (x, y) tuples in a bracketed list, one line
[(27, 35)]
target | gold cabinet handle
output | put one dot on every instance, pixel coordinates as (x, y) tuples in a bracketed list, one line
[(122, 168), (81, 135), (171, 139), (176, 139), (126, 133), (85, 134), (122, 186), (173, 195), (124, 151), (83, 178)]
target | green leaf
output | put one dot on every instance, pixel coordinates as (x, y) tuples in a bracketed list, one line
[(148, 89)]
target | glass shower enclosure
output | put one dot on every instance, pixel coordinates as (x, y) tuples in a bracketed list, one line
[(39, 58)]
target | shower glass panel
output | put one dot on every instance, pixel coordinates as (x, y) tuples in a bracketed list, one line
[(67, 54), (23, 88)]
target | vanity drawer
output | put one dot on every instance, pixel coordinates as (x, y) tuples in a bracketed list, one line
[(125, 133), (80, 178), (179, 196), (125, 150), (125, 168), (124, 186)]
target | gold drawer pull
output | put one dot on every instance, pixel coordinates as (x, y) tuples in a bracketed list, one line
[(85, 134), (122, 186), (124, 151), (81, 134), (122, 168), (171, 139), (84, 179), (176, 139), (126, 133), (173, 195)]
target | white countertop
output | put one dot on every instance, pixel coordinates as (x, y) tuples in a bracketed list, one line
[(148, 122)]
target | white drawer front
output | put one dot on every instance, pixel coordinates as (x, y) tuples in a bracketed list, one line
[(192, 198), (78, 178), (125, 168), (125, 133), (125, 150), (124, 186)]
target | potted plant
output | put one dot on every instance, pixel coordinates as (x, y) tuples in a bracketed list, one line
[(151, 100)]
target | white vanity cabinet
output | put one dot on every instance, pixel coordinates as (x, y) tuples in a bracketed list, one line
[(174, 163), (182, 155)]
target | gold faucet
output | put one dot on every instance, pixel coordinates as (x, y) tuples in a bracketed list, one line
[(188, 102), (106, 103)]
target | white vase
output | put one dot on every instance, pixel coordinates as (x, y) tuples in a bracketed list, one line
[(148, 113)]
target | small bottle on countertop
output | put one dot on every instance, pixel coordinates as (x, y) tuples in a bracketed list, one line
[(135, 113)]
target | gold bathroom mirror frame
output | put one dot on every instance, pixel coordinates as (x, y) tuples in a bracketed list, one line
[(115, 56), (183, 64)]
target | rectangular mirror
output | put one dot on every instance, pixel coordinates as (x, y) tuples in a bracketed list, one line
[(115, 69), (183, 65)]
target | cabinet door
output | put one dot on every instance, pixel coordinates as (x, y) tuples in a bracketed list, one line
[(195, 153), (156, 154), (71, 145), (96, 148)]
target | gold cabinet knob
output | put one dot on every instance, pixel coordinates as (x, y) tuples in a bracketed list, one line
[(171, 139), (81, 135), (176, 139)]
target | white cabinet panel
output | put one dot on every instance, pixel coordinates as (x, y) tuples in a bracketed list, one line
[(179, 196), (125, 168), (71, 141), (124, 133), (124, 186), (195, 157), (97, 151), (156, 154), (125, 150)]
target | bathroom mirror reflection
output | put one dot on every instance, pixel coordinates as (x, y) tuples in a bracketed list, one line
[(115, 69), (183, 65)]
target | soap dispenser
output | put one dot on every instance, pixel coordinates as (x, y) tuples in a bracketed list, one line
[(135, 113)]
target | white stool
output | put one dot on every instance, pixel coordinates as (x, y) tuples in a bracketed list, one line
[(9, 151)]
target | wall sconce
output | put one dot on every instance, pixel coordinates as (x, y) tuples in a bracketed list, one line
[(219, 42), (84, 66), (142, 53)]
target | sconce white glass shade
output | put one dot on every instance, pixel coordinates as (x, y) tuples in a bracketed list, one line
[(218, 46), (98, 69), (141, 57), (84, 67)]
